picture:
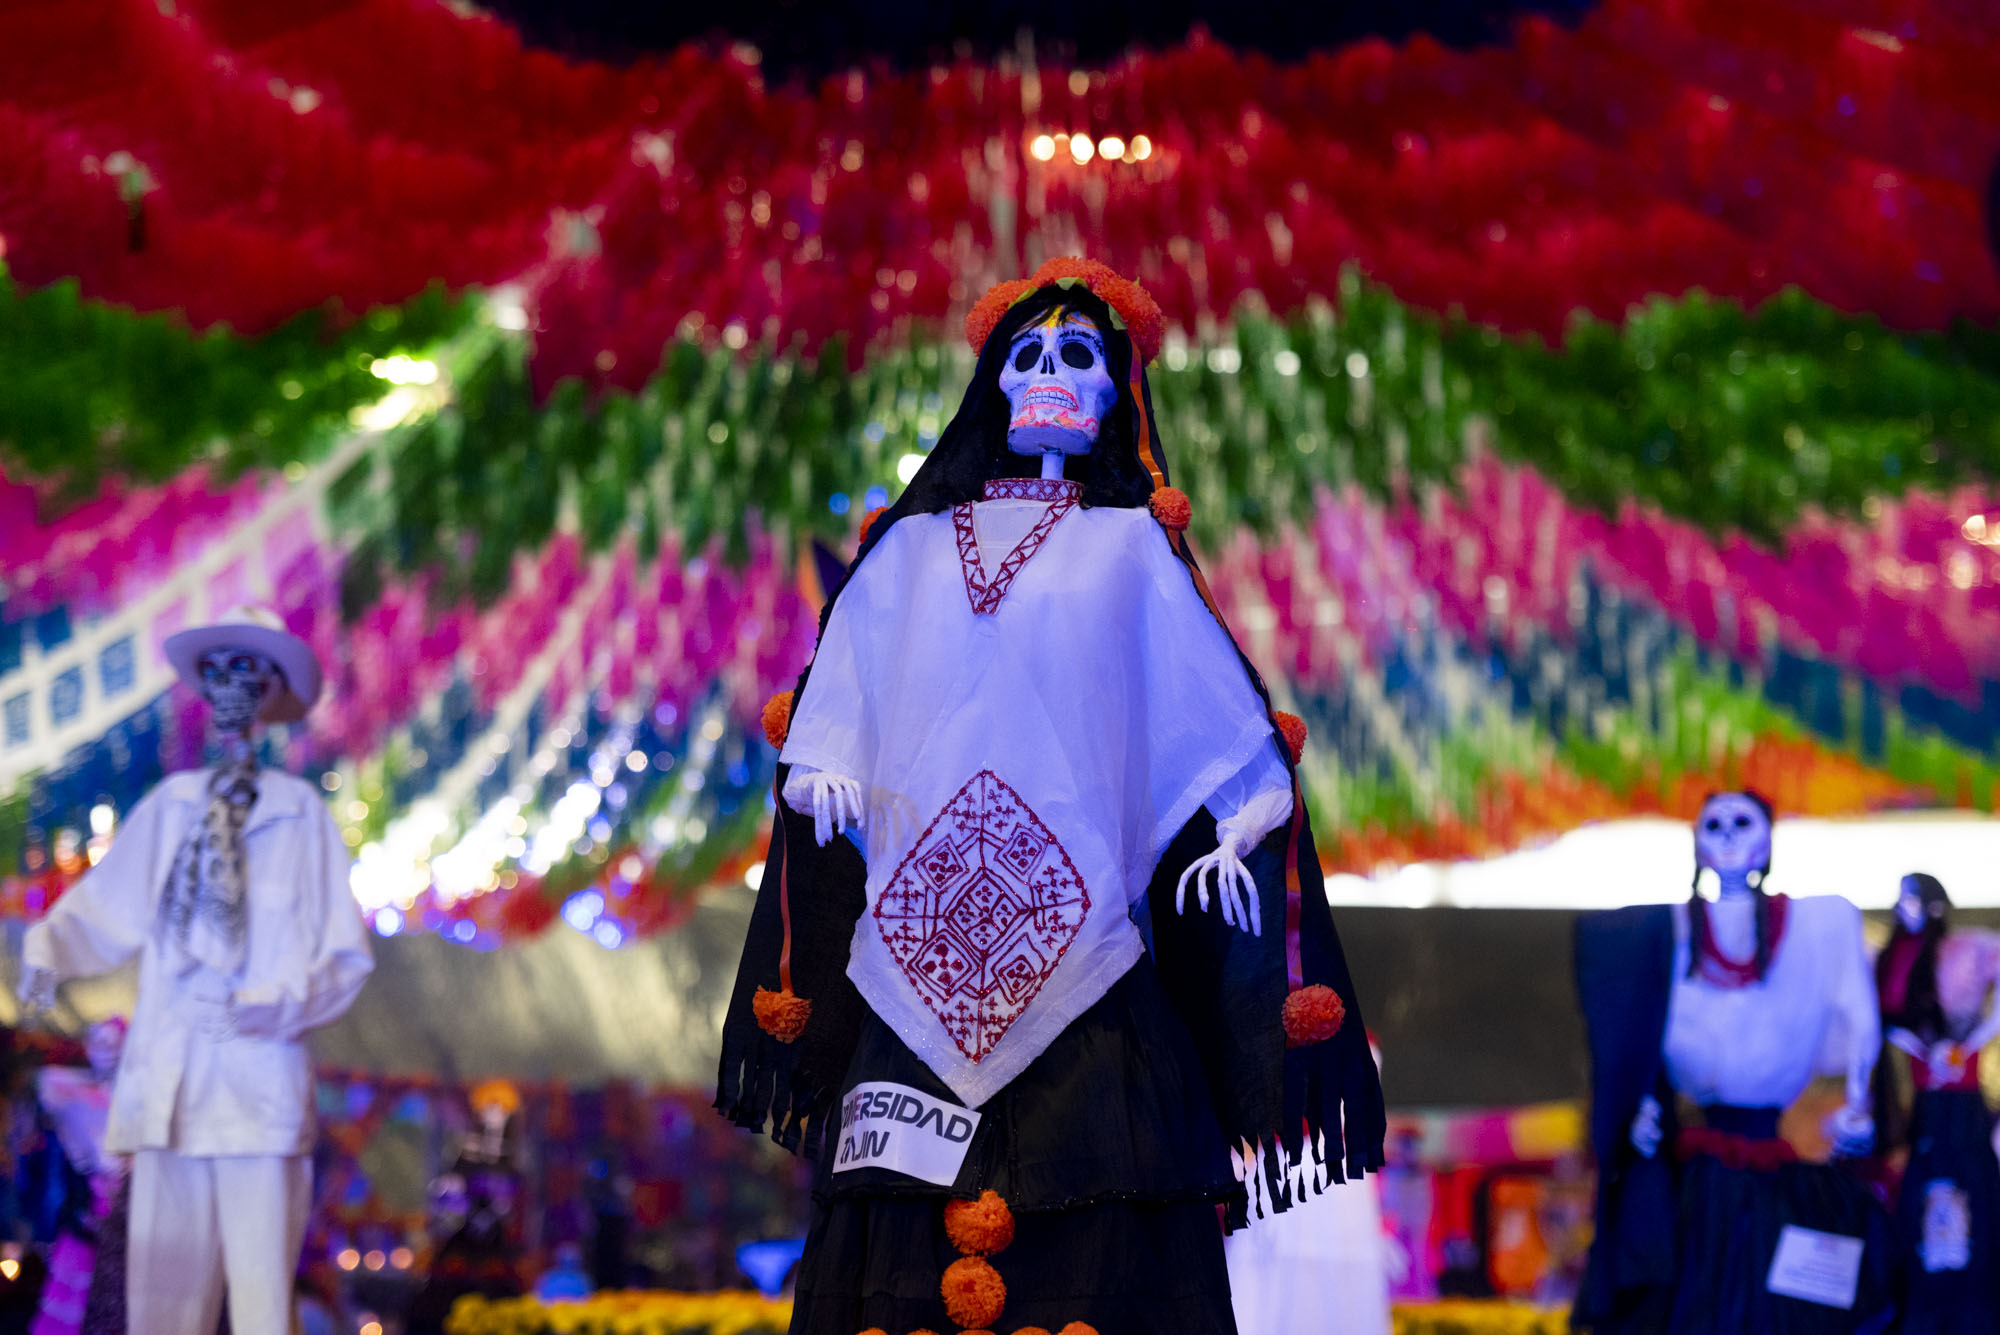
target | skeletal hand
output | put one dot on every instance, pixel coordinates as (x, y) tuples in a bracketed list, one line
[(1851, 1129), (836, 806), (1233, 885), (1646, 1132), (214, 1017), (38, 989)]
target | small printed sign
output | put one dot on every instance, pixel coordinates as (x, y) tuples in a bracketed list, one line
[(1816, 1267), (887, 1125), (1947, 1242)]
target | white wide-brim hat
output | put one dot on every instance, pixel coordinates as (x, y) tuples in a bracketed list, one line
[(259, 630)]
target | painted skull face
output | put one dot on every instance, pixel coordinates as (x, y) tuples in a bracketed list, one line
[(1058, 385), (1910, 906), (1920, 901), (236, 683), (1732, 835)]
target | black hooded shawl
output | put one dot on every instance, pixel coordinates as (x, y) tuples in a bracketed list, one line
[(1624, 980), (1227, 986)]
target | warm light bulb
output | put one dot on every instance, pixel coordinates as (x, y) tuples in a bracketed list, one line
[(1142, 147), (1111, 146), (1042, 147), (1081, 148)]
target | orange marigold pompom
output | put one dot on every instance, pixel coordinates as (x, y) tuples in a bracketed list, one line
[(1312, 1015), (1171, 507), (986, 313), (782, 1015), (778, 718), (973, 1292), (868, 520), (1078, 1328), (1293, 729), (1135, 306), (1032, 1330), (874, 1330), (1144, 323), (979, 1228)]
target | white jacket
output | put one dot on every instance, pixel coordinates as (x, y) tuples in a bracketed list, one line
[(187, 1081)]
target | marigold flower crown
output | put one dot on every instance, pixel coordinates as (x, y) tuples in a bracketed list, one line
[(1132, 307)]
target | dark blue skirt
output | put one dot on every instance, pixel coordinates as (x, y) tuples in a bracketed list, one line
[(1730, 1222), (1947, 1217)]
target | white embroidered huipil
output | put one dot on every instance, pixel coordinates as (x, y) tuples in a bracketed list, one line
[(1814, 1012), (183, 1084), (1033, 724)]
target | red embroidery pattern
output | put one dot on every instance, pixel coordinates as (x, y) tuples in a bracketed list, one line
[(983, 593), (1033, 489), (1717, 968), (981, 911)]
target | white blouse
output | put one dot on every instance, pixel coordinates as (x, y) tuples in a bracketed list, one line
[(1813, 1013), (1034, 702)]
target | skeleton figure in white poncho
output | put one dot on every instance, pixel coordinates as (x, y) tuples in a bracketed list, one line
[(950, 718)]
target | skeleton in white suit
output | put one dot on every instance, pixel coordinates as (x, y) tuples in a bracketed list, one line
[(230, 885)]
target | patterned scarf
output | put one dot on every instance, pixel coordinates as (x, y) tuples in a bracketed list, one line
[(204, 911)]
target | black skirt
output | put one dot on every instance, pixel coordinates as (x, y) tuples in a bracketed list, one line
[(1107, 1150), (1947, 1217), (1730, 1222)]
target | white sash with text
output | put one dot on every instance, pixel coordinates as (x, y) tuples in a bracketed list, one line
[(887, 1125)]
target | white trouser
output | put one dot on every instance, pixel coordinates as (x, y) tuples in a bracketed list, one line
[(196, 1221)]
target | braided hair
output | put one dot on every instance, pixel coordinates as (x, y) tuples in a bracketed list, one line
[(1918, 1009)]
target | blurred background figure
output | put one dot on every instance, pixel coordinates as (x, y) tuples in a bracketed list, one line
[(1937, 989), (85, 1287), (1734, 1005)]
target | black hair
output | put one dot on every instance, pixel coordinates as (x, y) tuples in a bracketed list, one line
[(1918, 1009), (1698, 929)]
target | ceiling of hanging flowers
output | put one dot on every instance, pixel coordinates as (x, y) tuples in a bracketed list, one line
[(1574, 422)]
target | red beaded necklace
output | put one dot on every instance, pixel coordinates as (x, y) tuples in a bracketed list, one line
[(1718, 968)]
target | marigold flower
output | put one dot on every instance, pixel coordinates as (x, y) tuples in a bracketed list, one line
[(1293, 729), (782, 1015), (1135, 307), (1171, 507), (973, 1292), (987, 312), (778, 718), (1313, 1014), (981, 1227)]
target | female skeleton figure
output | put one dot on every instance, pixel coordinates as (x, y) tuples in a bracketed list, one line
[(1734, 1006), (1937, 985), (981, 1008)]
